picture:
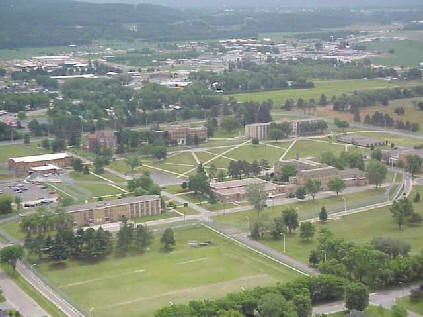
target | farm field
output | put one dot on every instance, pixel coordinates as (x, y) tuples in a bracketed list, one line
[(330, 88), (406, 52), (360, 228), (136, 285)]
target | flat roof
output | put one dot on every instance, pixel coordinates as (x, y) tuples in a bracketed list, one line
[(112, 203), (37, 158), (236, 183), (45, 168)]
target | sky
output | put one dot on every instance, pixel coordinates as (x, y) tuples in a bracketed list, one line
[(266, 3)]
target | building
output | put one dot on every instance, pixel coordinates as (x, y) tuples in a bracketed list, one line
[(183, 134), (307, 169), (360, 141), (21, 165), (98, 213), (102, 140), (257, 130), (45, 169), (298, 127), (235, 190), (398, 157)]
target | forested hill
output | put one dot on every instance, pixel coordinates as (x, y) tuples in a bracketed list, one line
[(61, 22), (37, 23)]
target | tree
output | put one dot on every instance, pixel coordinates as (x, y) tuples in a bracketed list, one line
[(5, 204), (391, 247), (212, 172), (312, 186), (255, 141), (60, 249), (199, 183), (133, 162), (77, 164), (168, 239), (376, 172), (323, 214), (221, 176), (300, 193), (307, 230), (290, 217), (27, 138), (356, 296), (323, 101), (229, 123), (99, 165), (314, 258), (275, 305), (376, 154), (58, 145), (288, 170), (11, 254), (336, 185), (159, 152), (401, 210), (414, 164), (341, 124), (256, 196), (417, 197), (302, 304)]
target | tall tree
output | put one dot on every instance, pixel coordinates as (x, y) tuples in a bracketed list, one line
[(168, 239), (337, 185), (401, 210), (312, 186), (376, 172), (356, 296), (11, 254), (290, 218), (414, 164), (256, 196)]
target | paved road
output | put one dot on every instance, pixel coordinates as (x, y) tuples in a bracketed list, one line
[(18, 299), (385, 299), (46, 291)]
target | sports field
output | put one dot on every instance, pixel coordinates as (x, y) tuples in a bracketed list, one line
[(330, 88), (360, 228), (136, 285)]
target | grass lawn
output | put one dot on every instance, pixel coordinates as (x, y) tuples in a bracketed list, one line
[(306, 148), (78, 176), (12, 228), (24, 53), (330, 88), (99, 189), (17, 150), (416, 307), (139, 284), (360, 228), (256, 152), (406, 52), (174, 189), (306, 209), (186, 210), (204, 156)]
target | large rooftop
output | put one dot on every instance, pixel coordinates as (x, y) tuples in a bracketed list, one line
[(38, 158)]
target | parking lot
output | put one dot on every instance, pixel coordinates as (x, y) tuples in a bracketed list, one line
[(28, 192)]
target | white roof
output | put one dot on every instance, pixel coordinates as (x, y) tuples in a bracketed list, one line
[(47, 167), (37, 158)]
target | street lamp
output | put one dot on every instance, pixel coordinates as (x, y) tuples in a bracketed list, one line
[(248, 219), (324, 256), (345, 204), (284, 242), (91, 311)]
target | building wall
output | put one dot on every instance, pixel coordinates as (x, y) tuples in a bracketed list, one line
[(257, 130), (24, 167), (105, 214)]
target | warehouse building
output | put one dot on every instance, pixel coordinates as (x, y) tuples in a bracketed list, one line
[(21, 165), (98, 213)]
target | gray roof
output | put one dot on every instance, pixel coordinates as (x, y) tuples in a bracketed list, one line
[(112, 203)]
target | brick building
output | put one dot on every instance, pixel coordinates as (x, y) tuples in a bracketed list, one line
[(21, 165), (104, 140), (183, 134), (98, 213)]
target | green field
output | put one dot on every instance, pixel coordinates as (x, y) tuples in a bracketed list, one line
[(398, 140), (24, 53), (136, 285), (416, 307), (306, 209), (17, 150), (359, 228), (406, 52), (330, 88)]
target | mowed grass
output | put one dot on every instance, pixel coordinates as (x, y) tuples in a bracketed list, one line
[(308, 148), (137, 285), (416, 307), (359, 228), (330, 88), (17, 150), (306, 209), (251, 152), (406, 52)]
